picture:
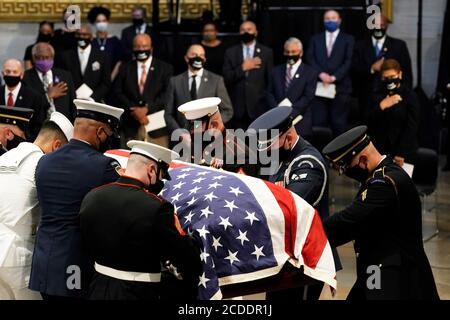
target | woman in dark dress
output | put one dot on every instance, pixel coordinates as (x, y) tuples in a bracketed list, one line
[(46, 32), (214, 48), (111, 45)]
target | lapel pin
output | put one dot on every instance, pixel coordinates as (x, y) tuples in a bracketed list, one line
[(20, 97), (152, 68), (258, 50), (206, 80), (297, 75)]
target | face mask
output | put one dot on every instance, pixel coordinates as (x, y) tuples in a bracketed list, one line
[(378, 33), (156, 188), (196, 63), (101, 26), (44, 37), (142, 55), (11, 144), (331, 26), (209, 37), (291, 60), (247, 37), (11, 81), (83, 44), (357, 173), (392, 84), (43, 65), (106, 145), (138, 22)]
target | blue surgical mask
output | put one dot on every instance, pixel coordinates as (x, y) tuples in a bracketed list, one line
[(331, 26)]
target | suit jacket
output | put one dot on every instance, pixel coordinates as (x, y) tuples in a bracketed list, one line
[(97, 74), (385, 222), (339, 62), (127, 93), (29, 98), (160, 49), (301, 91), (364, 56), (211, 85), (247, 89), (63, 178), (63, 104)]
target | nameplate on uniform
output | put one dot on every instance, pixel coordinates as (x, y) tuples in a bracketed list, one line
[(156, 121), (326, 91), (84, 92)]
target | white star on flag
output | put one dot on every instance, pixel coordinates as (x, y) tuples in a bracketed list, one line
[(175, 208), (186, 169), (218, 177), (178, 185), (203, 280), (251, 216), (191, 202), (182, 176), (258, 252), (198, 180), (214, 185), (176, 197), (189, 217), (216, 243), (232, 257), (203, 255), (162, 191), (203, 232), (225, 223), (202, 173), (236, 191), (230, 205), (242, 237), (194, 190), (210, 196), (206, 212)]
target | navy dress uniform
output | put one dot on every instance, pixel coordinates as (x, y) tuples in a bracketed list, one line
[(60, 266), (301, 169), (131, 232), (384, 220), (17, 117), (235, 155)]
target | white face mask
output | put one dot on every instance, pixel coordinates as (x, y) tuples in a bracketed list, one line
[(101, 26)]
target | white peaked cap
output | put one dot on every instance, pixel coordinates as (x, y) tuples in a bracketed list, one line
[(197, 109), (152, 151), (63, 123)]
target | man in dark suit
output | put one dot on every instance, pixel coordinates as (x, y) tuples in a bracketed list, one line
[(246, 71), (193, 84), (14, 94), (88, 66), (141, 88), (55, 84), (294, 84), (369, 55), (60, 267), (330, 53)]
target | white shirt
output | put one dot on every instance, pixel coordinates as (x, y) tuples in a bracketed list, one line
[(294, 67), (83, 56), (332, 35), (252, 50), (15, 92), (19, 207), (141, 28), (198, 78), (147, 64)]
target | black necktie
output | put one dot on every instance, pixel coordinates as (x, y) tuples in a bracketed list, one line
[(193, 88)]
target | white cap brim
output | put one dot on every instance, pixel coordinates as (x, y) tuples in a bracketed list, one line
[(152, 151), (63, 123), (197, 109)]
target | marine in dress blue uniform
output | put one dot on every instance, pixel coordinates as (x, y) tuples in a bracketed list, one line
[(301, 169), (60, 267)]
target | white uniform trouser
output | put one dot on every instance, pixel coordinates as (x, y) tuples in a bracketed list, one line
[(11, 284)]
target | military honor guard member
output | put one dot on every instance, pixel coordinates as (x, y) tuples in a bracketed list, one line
[(14, 122), (19, 207), (204, 120), (60, 268), (131, 231), (301, 169), (384, 221)]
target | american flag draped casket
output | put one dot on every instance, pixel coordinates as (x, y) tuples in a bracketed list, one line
[(249, 228)]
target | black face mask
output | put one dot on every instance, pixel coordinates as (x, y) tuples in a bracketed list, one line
[(138, 22), (106, 145), (43, 37), (196, 63), (142, 55), (392, 85), (11, 144), (357, 173), (247, 37), (11, 81), (156, 188), (291, 60), (378, 33), (82, 43)]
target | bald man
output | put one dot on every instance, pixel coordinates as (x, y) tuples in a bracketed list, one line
[(55, 84), (89, 67), (141, 88), (201, 83), (247, 69), (14, 94)]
